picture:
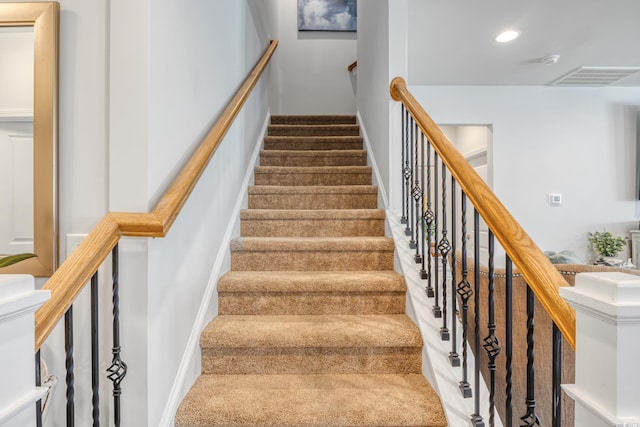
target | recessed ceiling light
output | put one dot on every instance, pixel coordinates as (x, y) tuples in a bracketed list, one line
[(507, 36)]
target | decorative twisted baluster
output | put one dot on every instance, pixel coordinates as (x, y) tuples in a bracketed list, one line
[(423, 216), (406, 172), (530, 418), (417, 195), (429, 219), (70, 378), (476, 418), (118, 368), (444, 247), (491, 343), (465, 292), (95, 353), (437, 311), (412, 212), (508, 321), (557, 378), (454, 358), (403, 136)]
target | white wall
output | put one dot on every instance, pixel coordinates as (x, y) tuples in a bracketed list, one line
[(578, 142), (382, 56), (194, 70), (373, 80), (310, 68)]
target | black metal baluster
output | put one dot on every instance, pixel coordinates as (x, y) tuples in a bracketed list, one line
[(118, 368), (491, 343), (412, 212), (557, 377), (403, 218), (417, 192), (429, 219), (70, 377), (407, 177), (444, 247), (476, 418), (454, 358), (530, 418), (423, 221), (38, 384), (465, 292), (437, 311), (95, 352), (508, 321)]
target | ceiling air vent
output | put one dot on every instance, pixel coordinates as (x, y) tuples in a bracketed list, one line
[(594, 76)]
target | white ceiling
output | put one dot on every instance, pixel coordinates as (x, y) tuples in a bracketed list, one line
[(452, 41)]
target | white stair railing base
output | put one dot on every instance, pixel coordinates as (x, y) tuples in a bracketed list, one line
[(607, 388), (18, 394)]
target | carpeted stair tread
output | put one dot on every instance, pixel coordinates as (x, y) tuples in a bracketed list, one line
[(310, 292), (314, 189), (316, 214), (320, 143), (313, 197), (313, 158), (311, 253), (313, 120), (311, 331), (314, 130), (312, 281), (342, 244), (312, 344), (312, 176), (308, 223), (311, 400)]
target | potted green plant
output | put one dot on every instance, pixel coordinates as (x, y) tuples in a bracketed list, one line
[(607, 246), (6, 261)]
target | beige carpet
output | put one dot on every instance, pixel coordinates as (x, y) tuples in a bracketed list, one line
[(311, 328)]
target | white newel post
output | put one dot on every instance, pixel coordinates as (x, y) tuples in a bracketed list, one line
[(607, 388), (18, 393)]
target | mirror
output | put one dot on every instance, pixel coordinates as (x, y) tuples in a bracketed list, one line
[(28, 134)]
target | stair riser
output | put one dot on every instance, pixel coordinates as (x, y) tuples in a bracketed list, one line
[(313, 201), (395, 360), (325, 130), (313, 120), (311, 161), (261, 303), (311, 228), (298, 179), (313, 145), (311, 260)]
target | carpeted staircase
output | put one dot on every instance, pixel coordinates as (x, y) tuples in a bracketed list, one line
[(311, 328)]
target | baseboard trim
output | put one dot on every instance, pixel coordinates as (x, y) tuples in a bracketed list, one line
[(374, 165), (191, 357)]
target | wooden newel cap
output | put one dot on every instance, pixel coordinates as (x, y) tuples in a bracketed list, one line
[(396, 84)]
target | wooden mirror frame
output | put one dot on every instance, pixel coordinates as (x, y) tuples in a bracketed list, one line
[(44, 17)]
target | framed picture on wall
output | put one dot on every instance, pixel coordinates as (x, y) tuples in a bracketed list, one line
[(327, 15)]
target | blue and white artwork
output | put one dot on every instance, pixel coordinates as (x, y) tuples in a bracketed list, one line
[(327, 15)]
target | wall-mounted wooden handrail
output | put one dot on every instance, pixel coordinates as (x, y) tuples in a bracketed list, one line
[(543, 278), (352, 66), (69, 279)]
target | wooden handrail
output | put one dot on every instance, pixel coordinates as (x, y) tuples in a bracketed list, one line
[(352, 66), (543, 278), (69, 279)]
